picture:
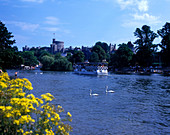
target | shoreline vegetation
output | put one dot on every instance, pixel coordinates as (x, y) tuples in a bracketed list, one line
[(141, 53), (23, 113), (141, 56)]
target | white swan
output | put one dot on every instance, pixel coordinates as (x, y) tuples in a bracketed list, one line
[(109, 91), (94, 94)]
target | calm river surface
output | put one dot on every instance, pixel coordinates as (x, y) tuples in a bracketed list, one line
[(139, 106)]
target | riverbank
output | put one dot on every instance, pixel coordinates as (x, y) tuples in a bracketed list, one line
[(143, 71)]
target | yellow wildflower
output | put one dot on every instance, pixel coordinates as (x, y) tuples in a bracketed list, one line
[(52, 119), (59, 107), (16, 122), (2, 108), (46, 121), (20, 130), (48, 115), (57, 116), (56, 123), (3, 85), (8, 107), (21, 94), (69, 114), (8, 115)]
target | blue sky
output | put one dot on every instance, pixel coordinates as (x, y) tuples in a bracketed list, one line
[(81, 22)]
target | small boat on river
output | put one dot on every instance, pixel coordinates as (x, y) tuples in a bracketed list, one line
[(91, 68)]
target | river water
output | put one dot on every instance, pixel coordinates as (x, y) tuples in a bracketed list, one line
[(139, 106)]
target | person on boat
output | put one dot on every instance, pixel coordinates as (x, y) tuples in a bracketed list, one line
[(16, 74)]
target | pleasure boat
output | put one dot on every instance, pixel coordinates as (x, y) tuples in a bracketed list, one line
[(92, 68)]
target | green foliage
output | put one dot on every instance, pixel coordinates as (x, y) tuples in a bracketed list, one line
[(94, 57), (9, 56), (99, 50), (56, 63), (78, 56), (108, 57), (69, 56), (29, 58), (47, 62), (165, 43), (57, 56), (42, 53), (104, 46), (61, 64), (122, 57), (145, 46), (5, 37), (10, 59)]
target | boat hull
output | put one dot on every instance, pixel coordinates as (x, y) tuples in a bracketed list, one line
[(91, 73), (91, 69)]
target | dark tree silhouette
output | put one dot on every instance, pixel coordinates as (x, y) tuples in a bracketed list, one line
[(165, 43), (145, 47)]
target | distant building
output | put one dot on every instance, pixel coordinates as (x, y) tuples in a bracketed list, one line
[(57, 46), (26, 48), (112, 48)]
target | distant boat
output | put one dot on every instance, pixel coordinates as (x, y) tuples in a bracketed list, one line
[(92, 68)]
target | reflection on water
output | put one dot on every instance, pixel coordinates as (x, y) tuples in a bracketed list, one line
[(140, 104)]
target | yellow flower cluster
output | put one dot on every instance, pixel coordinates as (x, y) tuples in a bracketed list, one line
[(47, 97), (26, 114)]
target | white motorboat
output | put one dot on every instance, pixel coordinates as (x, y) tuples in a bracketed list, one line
[(91, 68)]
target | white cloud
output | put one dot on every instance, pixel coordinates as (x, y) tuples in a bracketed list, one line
[(38, 1), (146, 17), (52, 20), (141, 19), (140, 5), (24, 25), (125, 3), (143, 5)]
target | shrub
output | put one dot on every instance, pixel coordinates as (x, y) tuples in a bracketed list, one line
[(23, 113)]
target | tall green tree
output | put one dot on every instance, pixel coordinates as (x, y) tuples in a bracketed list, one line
[(100, 52), (165, 43), (78, 56), (40, 53), (69, 56), (94, 57), (104, 46), (122, 57), (61, 64), (29, 58), (145, 46), (9, 56), (47, 62), (6, 40)]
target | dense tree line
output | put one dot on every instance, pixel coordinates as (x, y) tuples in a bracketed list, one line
[(125, 56)]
